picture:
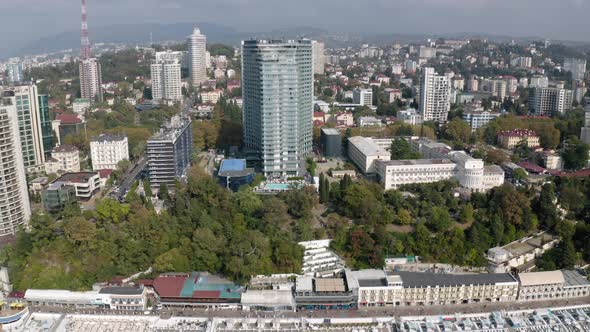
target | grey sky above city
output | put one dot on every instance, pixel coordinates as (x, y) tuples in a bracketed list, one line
[(565, 19)]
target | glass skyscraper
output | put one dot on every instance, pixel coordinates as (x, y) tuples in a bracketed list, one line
[(277, 88), (46, 129)]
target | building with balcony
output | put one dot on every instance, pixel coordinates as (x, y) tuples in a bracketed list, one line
[(552, 285), (64, 159), (107, 150)]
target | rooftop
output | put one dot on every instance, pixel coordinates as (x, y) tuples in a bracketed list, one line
[(65, 148), (426, 279), (415, 162), (79, 177), (121, 290), (234, 167), (172, 129), (367, 146), (108, 138), (518, 133), (329, 285), (195, 285), (68, 119), (573, 278), (541, 278), (330, 131)]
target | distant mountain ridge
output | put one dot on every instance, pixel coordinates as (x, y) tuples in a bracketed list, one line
[(128, 33)]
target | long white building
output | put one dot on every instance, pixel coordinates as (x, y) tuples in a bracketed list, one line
[(197, 49), (394, 173), (15, 209), (363, 152), (107, 150), (435, 92)]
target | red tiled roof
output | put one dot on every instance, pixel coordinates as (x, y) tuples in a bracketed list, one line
[(68, 118), (580, 173), (169, 286), (531, 167), (146, 282), (16, 295), (206, 294), (518, 133), (318, 114), (105, 173)]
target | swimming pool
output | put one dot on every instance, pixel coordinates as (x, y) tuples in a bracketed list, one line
[(277, 186)]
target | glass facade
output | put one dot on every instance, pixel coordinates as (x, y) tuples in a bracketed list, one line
[(277, 85), (46, 130)]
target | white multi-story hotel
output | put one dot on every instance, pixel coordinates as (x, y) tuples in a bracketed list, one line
[(15, 209), (91, 79), (551, 285), (64, 158), (319, 57), (107, 150), (197, 49), (363, 97), (363, 152), (410, 116), (394, 173), (435, 92), (400, 288), (479, 118), (166, 79)]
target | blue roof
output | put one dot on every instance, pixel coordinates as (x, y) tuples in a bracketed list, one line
[(229, 165)]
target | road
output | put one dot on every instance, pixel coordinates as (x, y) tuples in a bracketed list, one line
[(129, 178), (370, 312)]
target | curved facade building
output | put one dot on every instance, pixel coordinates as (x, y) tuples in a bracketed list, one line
[(197, 52), (15, 209)]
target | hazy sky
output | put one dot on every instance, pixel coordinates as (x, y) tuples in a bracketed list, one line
[(555, 19)]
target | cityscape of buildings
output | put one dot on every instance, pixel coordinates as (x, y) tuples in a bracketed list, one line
[(420, 147)]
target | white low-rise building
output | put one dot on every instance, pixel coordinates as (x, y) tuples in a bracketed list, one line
[(552, 285), (363, 152), (64, 159), (394, 173), (369, 121), (519, 255), (107, 150), (479, 118), (410, 116)]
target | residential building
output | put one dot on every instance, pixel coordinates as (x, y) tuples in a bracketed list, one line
[(210, 97), (46, 128), (550, 101), (169, 152), (410, 116), (197, 48), (435, 94), (579, 90), (394, 173), (166, 78), (427, 52), (539, 81), (277, 88), (331, 142), (343, 119), (585, 131), (363, 97), (15, 209), (552, 160), (57, 196), (233, 174), (107, 150), (369, 121), (479, 118), (401, 288), (522, 62), (64, 159), (519, 255), (319, 57), (91, 79), (86, 184), (392, 95), (509, 139), (363, 152), (319, 260), (15, 72), (29, 116), (67, 124), (37, 185), (549, 285), (576, 66)]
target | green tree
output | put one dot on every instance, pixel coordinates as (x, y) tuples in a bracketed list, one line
[(575, 154), (466, 214), (458, 131), (401, 149), (109, 210), (440, 219), (172, 261), (404, 217)]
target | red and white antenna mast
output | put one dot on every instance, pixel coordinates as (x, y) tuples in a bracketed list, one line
[(85, 50)]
